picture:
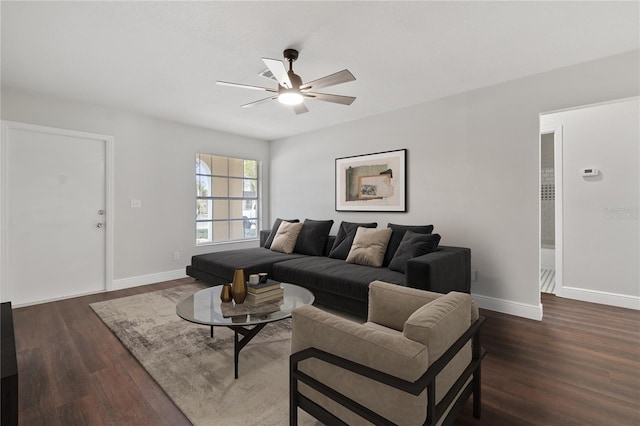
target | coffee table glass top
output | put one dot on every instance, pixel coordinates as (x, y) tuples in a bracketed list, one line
[(205, 307)]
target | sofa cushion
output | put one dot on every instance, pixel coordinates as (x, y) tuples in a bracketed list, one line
[(369, 246), (313, 237), (344, 238), (398, 234), (286, 237), (253, 260), (274, 230), (440, 323), (335, 276), (413, 245)]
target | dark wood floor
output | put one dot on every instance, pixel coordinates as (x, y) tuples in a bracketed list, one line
[(579, 366)]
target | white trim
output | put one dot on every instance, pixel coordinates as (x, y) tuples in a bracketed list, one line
[(573, 108), (509, 307), (54, 299), (148, 279), (602, 297), (109, 142)]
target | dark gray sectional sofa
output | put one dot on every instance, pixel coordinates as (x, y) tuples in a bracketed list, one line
[(334, 282)]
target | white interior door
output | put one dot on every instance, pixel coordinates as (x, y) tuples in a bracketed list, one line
[(55, 214)]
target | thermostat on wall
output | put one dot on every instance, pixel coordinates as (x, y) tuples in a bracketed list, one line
[(590, 172)]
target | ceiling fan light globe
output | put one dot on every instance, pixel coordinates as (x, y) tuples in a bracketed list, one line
[(290, 98)]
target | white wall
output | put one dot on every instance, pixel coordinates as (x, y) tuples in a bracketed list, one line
[(473, 170), (600, 213), (154, 163)]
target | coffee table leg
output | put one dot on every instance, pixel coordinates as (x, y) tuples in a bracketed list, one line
[(212, 332), (238, 344)]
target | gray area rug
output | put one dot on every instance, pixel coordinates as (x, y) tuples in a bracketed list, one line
[(195, 370)]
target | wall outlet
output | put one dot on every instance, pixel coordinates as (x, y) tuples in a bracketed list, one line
[(176, 255), (136, 203), (474, 275)]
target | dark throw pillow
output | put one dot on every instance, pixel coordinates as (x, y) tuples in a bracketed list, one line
[(344, 238), (413, 245), (313, 237), (398, 234), (274, 230)]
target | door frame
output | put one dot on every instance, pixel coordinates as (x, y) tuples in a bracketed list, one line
[(557, 165), (109, 142)]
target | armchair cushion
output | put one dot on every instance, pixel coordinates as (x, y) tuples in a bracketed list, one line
[(439, 323), (391, 305)]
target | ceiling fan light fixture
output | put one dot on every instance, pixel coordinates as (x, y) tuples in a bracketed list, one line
[(290, 97)]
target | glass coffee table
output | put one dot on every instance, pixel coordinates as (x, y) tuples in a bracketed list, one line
[(205, 307)]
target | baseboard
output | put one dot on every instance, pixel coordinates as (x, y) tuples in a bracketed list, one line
[(509, 307), (147, 279), (54, 299), (602, 297)]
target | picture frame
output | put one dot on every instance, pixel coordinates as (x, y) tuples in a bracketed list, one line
[(372, 182)]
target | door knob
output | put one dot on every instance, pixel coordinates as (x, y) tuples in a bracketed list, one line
[(100, 225)]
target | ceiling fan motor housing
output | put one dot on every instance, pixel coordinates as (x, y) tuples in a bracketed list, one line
[(290, 54)]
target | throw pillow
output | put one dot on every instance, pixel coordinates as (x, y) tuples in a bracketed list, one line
[(313, 237), (274, 230), (285, 239), (344, 238), (413, 245), (398, 233), (369, 246)]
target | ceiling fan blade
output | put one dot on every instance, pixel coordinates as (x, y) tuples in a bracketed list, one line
[(329, 80), (300, 109), (258, 102), (336, 99), (244, 86), (279, 71)]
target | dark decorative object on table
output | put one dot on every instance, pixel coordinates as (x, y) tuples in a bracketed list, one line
[(225, 293), (239, 287)]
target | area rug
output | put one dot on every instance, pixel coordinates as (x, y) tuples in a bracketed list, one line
[(195, 370)]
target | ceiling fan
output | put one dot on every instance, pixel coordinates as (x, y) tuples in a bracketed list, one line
[(291, 90)]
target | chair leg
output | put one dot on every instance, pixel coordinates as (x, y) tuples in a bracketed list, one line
[(293, 398), (477, 404)]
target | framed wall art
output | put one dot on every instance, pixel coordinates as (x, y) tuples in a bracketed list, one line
[(372, 182)]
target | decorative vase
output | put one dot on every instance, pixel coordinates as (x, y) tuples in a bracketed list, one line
[(225, 293), (239, 286)]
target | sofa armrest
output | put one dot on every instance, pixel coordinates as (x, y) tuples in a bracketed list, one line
[(264, 234), (447, 269), (391, 304), (390, 353)]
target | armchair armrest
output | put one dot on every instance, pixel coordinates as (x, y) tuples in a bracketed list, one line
[(391, 304), (387, 352), (447, 269)]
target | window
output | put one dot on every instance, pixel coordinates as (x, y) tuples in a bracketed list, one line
[(226, 199)]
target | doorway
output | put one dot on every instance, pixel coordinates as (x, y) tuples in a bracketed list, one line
[(551, 211), (56, 201)]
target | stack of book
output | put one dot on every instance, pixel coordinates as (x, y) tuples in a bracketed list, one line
[(264, 292)]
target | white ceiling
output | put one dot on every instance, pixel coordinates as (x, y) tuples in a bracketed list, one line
[(163, 58)]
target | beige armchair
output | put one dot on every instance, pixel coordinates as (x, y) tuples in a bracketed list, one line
[(415, 361)]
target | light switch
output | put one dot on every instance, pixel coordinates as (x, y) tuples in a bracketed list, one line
[(136, 203)]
